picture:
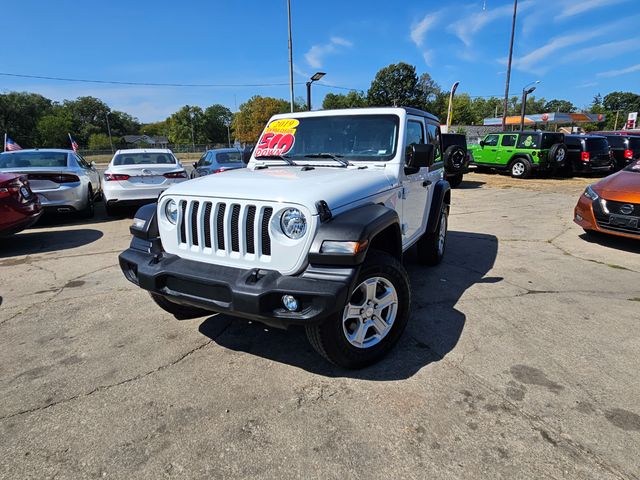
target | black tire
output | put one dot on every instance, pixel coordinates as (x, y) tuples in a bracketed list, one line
[(90, 209), (454, 158), (455, 180), (520, 168), (112, 210), (329, 338), (181, 312), (558, 154), (430, 250)]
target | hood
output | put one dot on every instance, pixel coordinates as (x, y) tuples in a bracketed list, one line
[(336, 186), (620, 187)]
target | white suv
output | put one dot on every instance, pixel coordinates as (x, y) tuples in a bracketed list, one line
[(312, 233)]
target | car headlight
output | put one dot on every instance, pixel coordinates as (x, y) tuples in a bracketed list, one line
[(171, 211), (293, 223), (590, 194)]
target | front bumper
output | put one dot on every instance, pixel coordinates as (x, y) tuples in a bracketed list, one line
[(590, 216), (67, 196), (254, 294)]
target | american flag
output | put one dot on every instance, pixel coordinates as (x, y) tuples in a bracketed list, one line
[(10, 145), (74, 144)]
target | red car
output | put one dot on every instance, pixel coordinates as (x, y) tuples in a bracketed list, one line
[(19, 206), (612, 205)]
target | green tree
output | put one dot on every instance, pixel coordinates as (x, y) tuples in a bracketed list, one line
[(19, 115), (396, 84), (122, 124), (430, 94), (99, 141), (155, 129), (254, 114), (185, 123), (622, 101), (353, 99), (53, 129), (216, 120), (88, 115), (562, 106)]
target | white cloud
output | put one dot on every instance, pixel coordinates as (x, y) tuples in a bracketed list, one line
[(315, 55), (428, 56), (622, 71), (605, 50), (572, 8), (420, 29), (466, 27)]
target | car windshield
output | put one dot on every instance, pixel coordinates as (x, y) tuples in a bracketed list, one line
[(33, 159), (633, 167), (144, 159), (225, 158), (529, 140), (354, 137)]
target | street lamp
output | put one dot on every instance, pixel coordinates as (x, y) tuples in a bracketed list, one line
[(316, 76), (526, 91)]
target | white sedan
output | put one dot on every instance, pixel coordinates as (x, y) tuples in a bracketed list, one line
[(139, 176)]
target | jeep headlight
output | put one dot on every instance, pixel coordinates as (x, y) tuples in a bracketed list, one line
[(590, 194), (171, 211), (293, 223)]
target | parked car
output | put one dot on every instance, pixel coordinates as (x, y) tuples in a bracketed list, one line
[(588, 154), (19, 206), (63, 180), (612, 205), (625, 148), (217, 161), (138, 176), (520, 153), (456, 157), (311, 233)]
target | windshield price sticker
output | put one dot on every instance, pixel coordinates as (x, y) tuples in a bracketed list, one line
[(278, 138)]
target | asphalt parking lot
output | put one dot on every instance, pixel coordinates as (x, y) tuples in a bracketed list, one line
[(520, 361)]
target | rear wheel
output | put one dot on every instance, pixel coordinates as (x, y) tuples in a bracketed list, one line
[(520, 168), (455, 180), (431, 245), (181, 312), (373, 319), (90, 209)]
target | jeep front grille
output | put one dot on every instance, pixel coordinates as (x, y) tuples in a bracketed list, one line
[(227, 229)]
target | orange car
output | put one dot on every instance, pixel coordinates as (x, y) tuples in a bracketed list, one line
[(613, 204)]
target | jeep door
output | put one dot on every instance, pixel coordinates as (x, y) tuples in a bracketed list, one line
[(489, 151), (415, 185), (507, 147)]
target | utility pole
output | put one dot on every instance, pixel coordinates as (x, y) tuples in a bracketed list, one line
[(615, 126), (106, 115), (506, 90), (290, 54)]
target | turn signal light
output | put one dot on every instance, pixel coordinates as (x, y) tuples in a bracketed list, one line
[(115, 177), (585, 157)]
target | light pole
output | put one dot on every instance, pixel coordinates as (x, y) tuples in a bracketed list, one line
[(506, 89), (526, 92), (290, 54), (106, 115), (193, 138), (227, 122), (316, 76)]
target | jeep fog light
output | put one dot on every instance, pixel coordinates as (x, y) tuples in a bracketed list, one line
[(171, 211), (290, 302), (345, 248), (293, 223), (138, 223)]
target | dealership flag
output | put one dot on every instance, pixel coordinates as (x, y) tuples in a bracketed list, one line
[(74, 144), (10, 145)]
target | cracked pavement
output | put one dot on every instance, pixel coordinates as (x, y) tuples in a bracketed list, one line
[(520, 361)]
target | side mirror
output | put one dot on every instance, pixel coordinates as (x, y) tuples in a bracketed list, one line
[(195, 164), (246, 155), (482, 143), (93, 164), (420, 155)]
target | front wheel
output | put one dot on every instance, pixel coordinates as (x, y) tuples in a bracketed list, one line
[(373, 319)]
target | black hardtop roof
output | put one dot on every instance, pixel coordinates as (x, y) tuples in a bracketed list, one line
[(420, 113), (579, 135), (526, 132)]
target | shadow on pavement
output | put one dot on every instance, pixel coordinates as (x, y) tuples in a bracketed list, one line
[(434, 329), (612, 241), (52, 219), (31, 242), (470, 184)]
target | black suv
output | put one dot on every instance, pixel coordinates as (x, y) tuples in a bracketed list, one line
[(587, 154), (624, 148)]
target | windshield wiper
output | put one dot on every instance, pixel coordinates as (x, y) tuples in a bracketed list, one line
[(337, 158), (277, 157)]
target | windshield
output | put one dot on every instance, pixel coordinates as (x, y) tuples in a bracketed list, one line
[(144, 159), (33, 159), (633, 167), (225, 158), (354, 137)]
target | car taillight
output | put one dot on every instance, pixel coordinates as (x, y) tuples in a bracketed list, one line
[(219, 170), (180, 174), (585, 156), (10, 188), (114, 177), (628, 154), (54, 177)]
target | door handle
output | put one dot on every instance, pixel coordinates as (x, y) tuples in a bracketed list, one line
[(426, 183), (494, 150)]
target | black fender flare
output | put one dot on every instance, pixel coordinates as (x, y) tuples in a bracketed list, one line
[(149, 230), (360, 224), (524, 156), (441, 195)]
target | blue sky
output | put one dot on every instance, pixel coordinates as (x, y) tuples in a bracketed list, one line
[(577, 48)]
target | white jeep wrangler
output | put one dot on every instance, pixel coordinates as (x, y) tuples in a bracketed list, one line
[(312, 233)]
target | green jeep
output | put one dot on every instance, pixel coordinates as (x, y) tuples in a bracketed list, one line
[(520, 152)]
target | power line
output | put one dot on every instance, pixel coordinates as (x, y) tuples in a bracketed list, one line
[(146, 84)]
